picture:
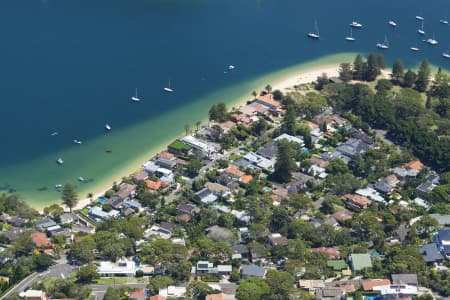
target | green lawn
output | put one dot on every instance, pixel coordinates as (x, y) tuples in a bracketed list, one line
[(120, 280)]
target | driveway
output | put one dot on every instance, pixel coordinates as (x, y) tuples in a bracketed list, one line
[(60, 270)]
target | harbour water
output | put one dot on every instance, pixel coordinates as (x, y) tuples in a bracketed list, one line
[(72, 66)]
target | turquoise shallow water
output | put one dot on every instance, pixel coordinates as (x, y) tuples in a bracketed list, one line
[(72, 66)]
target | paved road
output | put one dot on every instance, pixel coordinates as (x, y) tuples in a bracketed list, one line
[(60, 270), (100, 289)]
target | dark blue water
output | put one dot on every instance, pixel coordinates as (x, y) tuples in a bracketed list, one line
[(71, 66)]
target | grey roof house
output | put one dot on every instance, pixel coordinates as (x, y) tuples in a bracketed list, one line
[(252, 271), (44, 223)]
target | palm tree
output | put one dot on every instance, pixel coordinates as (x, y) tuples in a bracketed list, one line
[(254, 94), (69, 196), (268, 88), (90, 196), (197, 125), (187, 128)]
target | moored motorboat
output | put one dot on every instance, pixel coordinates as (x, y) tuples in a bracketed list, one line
[(356, 24), (392, 23), (59, 161)]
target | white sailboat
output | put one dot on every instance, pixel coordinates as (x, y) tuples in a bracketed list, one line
[(356, 24), (420, 18), (420, 30), (314, 35), (383, 45), (432, 41), (135, 98), (392, 23), (415, 49), (446, 54), (168, 88), (350, 38)]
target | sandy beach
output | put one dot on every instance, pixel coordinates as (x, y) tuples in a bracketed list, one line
[(301, 76)]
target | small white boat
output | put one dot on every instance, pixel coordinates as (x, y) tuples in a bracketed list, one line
[(443, 21), (58, 186), (420, 18), (80, 179), (77, 142), (356, 24), (350, 38), (135, 98), (231, 67), (54, 133), (420, 30), (432, 41), (392, 23), (108, 127), (168, 88), (415, 49), (314, 35), (383, 45), (59, 161), (446, 54)]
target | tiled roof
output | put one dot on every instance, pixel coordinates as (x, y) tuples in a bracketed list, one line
[(268, 99), (368, 285), (40, 239), (413, 165), (153, 185)]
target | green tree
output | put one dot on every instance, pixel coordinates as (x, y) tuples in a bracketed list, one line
[(197, 125), (43, 261), (359, 67), (159, 282), (398, 71), (285, 164), (69, 196), (268, 88), (53, 211), (281, 284), (373, 68), (218, 112), (87, 274), (193, 168), (409, 79), (23, 244), (321, 81), (83, 251), (337, 166), (345, 72), (187, 128), (423, 76), (289, 125), (383, 85), (252, 289)]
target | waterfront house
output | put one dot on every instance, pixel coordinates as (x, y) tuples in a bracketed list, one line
[(68, 218), (268, 101), (166, 163), (44, 223), (115, 202), (96, 213), (141, 175), (254, 109)]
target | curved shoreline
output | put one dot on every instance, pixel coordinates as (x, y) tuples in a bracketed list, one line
[(281, 79)]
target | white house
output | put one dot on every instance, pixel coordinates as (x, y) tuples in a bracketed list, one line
[(123, 268), (173, 291)]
